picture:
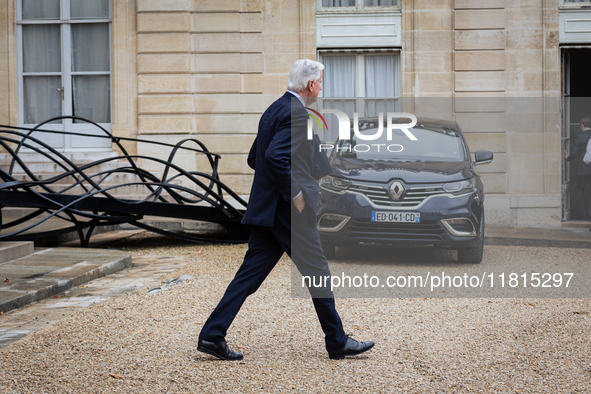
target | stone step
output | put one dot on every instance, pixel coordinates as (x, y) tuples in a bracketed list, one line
[(51, 167), (14, 250), (135, 191), (13, 213), (76, 157), (38, 163), (576, 224), (52, 271), (111, 179), (142, 196)]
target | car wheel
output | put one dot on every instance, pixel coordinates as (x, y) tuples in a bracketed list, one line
[(329, 250), (473, 255)]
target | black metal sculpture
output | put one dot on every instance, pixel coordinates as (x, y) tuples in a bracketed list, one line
[(177, 193)]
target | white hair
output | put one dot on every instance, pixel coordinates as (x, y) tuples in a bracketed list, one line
[(302, 71)]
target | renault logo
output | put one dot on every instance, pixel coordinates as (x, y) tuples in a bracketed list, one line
[(396, 190)]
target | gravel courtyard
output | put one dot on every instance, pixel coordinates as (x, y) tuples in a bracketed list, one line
[(147, 342)]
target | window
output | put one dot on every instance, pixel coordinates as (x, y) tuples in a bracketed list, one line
[(574, 3), (357, 3), (366, 83), (438, 143), (64, 65), (338, 3), (375, 3)]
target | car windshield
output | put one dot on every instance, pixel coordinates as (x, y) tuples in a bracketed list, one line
[(434, 143)]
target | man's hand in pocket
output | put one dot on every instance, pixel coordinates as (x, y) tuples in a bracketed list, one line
[(299, 202)]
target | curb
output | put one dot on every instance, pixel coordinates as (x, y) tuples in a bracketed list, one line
[(540, 243), (63, 285)]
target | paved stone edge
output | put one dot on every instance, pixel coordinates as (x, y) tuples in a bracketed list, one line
[(23, 299), (541, 243), (13, 250)]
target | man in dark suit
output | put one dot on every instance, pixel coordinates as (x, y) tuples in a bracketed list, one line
[(583, 172), (282, 215)]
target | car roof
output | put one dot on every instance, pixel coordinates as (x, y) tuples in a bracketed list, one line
[(422, 121)]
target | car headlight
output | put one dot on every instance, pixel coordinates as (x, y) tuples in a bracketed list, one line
[(463, 187), (335, 184)]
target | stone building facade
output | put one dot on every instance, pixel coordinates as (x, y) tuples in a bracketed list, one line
[(495, 49), (207, 69)]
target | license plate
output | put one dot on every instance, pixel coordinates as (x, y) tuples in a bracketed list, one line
[(396, 217)]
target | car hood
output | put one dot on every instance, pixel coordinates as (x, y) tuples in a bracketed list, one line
[(408, 171)]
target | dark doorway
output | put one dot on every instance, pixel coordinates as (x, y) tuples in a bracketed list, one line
[(576, 84)]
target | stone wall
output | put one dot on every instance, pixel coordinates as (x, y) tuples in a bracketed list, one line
[(427, 48), (8, 76), (207, 69), (499, 61), (124, 72)]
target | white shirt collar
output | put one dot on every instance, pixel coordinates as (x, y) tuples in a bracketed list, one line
[(298, 96)]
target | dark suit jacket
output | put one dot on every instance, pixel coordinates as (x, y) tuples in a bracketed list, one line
[(578, 153), (282, 158)]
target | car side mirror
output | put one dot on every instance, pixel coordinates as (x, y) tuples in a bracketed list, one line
[(483, 157)]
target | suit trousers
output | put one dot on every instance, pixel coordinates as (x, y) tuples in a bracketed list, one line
[(266, 245), (583, 182)]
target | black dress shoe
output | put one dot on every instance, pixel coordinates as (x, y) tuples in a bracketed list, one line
[(218, 349), (351, 348)]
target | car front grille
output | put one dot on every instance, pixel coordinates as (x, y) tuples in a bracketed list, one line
[(428, 231), (410, 198)]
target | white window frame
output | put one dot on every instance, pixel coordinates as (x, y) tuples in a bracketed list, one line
[(359, 94), (359, 7), (66, 75)]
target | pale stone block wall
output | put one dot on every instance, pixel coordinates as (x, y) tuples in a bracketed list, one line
[(427, 48), (208, 69), (493, 50), (4, 64), (479, 19), (8, 76), (479, 71), (124, 72), (514, 68)]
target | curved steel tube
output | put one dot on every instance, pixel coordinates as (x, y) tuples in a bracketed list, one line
[(182, 188)]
